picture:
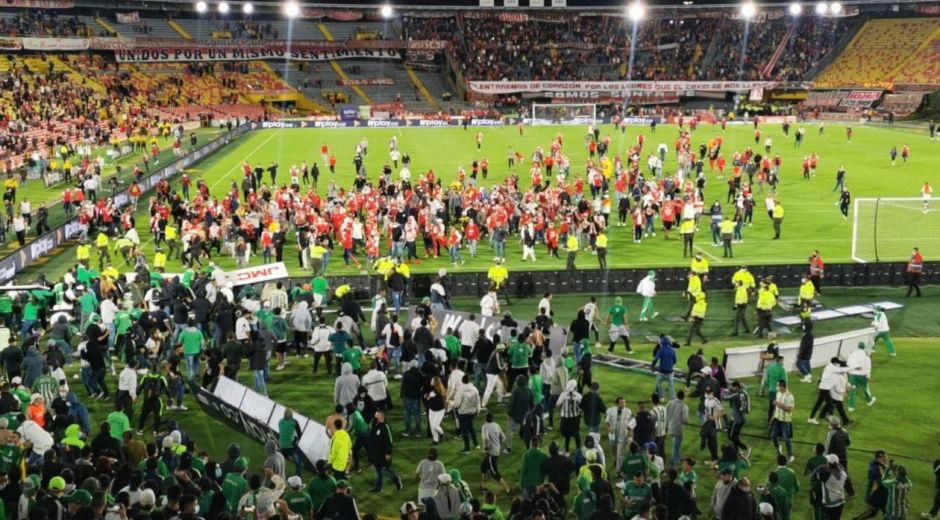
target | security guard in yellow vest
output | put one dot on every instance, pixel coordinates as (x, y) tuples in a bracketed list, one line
[(317, 250), (159, 260), (807, 292), (497, 275), (571, 246), (600, 244), (766, 301), (172, 240), (83, 253), (696, 319), (383, 267), (687, 230), (745, 277), (101, 242), (741, 296), (727, 233), (700, 267), (692, 291), (777, 216)]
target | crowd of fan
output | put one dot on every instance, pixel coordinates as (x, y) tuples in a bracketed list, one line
[(490, 49), (39, 22)]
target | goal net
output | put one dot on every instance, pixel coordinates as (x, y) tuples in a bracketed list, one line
[(564, 113), (885, 230)]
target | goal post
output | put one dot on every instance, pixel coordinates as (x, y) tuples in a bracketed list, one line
[(564, 113), (886, 229)]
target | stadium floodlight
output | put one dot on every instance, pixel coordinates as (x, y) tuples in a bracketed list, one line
[(796, 9), (223, 8), (748, 10), (248, 8), (291, 9), (201, 7), (387, 11), (636, 11), (822, 8), (835, 8)]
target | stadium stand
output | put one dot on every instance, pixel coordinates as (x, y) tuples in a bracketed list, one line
[(922, 68), (902, 104), (876, 51)]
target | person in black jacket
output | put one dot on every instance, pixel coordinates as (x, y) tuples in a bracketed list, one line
[(805, 354), (105, 444), (558, 468), (380, 452), (520, 402), (740, 504), (675, 497), (340, 506), (96, 352), (412, 388)]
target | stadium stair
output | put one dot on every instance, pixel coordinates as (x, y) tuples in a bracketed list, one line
[(303, 102), (781, 48), (422, 88), (877, 50), (75, 76), (339, 70), (108, 27), (921, 66), (179, 28)]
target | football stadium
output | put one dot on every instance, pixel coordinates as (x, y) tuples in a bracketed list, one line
[(469, 259)]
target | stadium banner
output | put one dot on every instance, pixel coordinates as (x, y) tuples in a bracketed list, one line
[(40, 4), (860, 98), (132, 17), (450, 319), (55, 44), (257, 416), (180, 54), (364, 82), (10, 44), (115, 44), (261, 273), (510, 3), (515, 17), (930, 9), (536, 3), (512, 87)]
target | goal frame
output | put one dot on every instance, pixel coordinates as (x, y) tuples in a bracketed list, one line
[(536, 120), (855, 223)]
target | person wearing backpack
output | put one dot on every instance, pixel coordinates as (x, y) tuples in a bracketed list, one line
[(152, 388), (740, 404)]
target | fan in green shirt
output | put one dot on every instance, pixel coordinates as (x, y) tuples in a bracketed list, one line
[(532, 474), (192, 340), (636, 493), (298, 501), (31, 311), (46, 386), (320, 286), (6, 304), (357, 424), (585, 503), (616, 312), (519, 354), (265, 315), (10, 455), (235, 485), (452, 344), (353, 356), (119, 423), (635, 461), (775, 373), (321, 486), (88, 302)]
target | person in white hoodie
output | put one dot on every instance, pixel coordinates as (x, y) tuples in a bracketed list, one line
[(860, 365), (826, 382), (647, 289), (322, 348), (882, 330)]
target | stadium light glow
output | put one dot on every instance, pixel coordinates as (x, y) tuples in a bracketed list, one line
[(248, 8), (291, 9), (223, 8), (387, 11), (796, 9), (748, 10), (822, 8), (835, 8), (636, 11), (201, 7)]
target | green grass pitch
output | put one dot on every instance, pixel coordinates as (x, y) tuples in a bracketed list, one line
[(812, 218)]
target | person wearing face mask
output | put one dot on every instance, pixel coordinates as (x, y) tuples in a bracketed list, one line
[(189, 509)]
